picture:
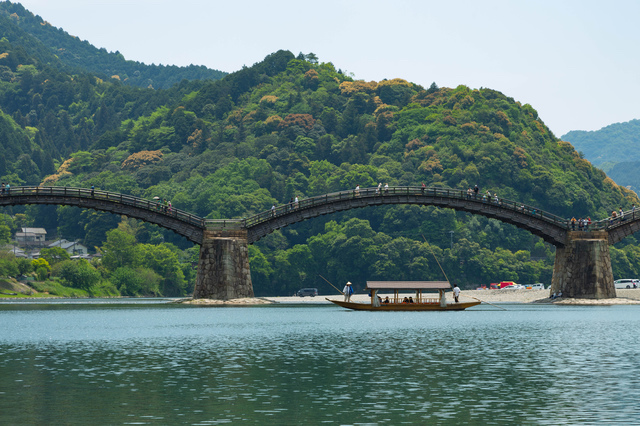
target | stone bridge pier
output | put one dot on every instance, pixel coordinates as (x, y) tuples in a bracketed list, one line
[(223, 267), (583, 267)]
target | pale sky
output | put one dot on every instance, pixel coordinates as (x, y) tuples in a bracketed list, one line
[(575, 62)]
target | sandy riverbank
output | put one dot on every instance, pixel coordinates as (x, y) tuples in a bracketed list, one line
[(491, 296)]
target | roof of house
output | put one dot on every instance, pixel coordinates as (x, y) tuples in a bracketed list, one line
[(35, 230), (17, 252), (408, 285), (25, 234), (66, 244)]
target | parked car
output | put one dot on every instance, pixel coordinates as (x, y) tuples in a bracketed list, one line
[(514, 287), (626, 283), (537, 286), (307, 292)]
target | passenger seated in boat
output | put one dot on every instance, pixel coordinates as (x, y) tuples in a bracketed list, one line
[(410, 299), (386, 299), (406, 300)]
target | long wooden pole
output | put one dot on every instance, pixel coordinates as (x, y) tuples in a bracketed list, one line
[(445, 275), (500, 307), (434, 256), (341, 292)]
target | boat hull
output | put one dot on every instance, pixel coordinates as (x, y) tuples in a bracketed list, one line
[(405, 306)]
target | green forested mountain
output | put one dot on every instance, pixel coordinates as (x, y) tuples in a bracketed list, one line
[(615, 149), (293, 126), (610, 145), (626, 174), (58, 49)]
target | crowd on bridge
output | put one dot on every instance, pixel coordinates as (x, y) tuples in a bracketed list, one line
[(6, 189), (487, 197), (583, 224), (619, 215), (164, 205)]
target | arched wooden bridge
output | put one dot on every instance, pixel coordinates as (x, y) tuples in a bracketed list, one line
[(551, 228), (183, 223)]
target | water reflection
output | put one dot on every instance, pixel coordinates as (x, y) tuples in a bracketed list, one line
[(289, 365)]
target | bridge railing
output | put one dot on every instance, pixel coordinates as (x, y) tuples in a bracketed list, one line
[(157, 205), (129, 200), (612, 222), (224, 223), (406, 191)]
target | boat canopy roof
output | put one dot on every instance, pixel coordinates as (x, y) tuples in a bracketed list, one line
[(408, 285)]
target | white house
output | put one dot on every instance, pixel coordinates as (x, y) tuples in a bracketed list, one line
[(31, 236), (71, 247)]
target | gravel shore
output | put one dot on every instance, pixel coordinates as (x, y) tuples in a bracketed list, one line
[(625, 297)]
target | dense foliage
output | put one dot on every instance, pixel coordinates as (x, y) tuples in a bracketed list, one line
[(56, 48), (293, 126)]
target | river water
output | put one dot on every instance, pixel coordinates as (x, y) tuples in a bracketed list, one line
[(153, 363)]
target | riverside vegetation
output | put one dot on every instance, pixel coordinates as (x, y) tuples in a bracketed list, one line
[(287, 126)]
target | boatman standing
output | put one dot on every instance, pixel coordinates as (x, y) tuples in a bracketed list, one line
[(348, 291), (456, 292)]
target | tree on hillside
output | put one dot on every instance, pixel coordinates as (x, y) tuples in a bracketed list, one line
[(78, 274), (54, 255), (119, 250)]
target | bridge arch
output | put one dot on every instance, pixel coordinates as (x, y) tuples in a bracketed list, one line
[(553, 229), (183, 223), (618, 229)]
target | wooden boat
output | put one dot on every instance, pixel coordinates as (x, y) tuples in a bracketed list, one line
[(396, 303)]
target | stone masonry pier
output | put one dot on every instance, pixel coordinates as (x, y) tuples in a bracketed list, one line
[(583, 267), (223, 267)]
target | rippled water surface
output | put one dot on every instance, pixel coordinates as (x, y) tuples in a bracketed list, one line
[(168, 364)]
